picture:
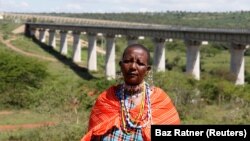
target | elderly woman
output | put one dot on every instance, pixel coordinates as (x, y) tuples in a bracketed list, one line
[(126, 111)]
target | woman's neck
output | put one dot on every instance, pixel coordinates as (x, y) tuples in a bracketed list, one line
[(133, 89)]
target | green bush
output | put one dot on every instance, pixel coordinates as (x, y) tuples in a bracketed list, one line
[(176, 45), (220, 46), (247, 77), (210, 51), (6, 36), (174, 64), (87, 101), (19, 77), (223, 74), (103, 84), (247, 52)]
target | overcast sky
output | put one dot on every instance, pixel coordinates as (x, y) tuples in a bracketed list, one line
[(79, 6)]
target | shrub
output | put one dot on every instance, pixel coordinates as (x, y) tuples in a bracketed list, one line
[(223, 74), (176, 45), (19, 76), (247, 77), (210, 51), (247, 52)]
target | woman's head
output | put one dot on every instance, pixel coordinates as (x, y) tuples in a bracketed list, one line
[(135, 64)]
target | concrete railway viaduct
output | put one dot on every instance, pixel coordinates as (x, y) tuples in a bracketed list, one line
[(193, 37)]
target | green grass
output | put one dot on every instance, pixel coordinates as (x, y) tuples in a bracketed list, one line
[(7, 27), (27, 45), (222, 115)]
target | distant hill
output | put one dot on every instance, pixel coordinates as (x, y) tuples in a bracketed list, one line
[(240, 19)]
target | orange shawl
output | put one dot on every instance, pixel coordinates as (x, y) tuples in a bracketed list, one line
[(106, 111)]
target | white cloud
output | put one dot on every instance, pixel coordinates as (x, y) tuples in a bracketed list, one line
[(73, 6), (12, 5), (24, 4)]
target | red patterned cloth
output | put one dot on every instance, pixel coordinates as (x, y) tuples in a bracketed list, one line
[(105, 113)]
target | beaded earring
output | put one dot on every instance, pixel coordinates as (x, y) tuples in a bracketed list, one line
[(149, 78), (119, 78)]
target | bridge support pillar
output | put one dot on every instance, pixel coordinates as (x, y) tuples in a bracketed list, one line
[(110, 57), (52, 38), (132, 40), (92, 56), (237, 63), (193, 58), (76, 47), (63, 43), (42, 37), (159, 54), (32, 32)]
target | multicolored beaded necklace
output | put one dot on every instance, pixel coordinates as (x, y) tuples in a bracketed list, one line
[(128, 122)]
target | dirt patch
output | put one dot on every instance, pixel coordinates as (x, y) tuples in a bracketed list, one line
[(25, 126), (22, 126), (19, 30), (9, 45), (6, 112)]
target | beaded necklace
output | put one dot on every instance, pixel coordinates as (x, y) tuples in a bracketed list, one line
[(128, 122)]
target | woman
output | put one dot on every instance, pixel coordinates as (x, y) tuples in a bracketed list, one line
[(126, 111)]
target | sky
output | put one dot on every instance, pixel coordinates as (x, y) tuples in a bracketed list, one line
[(108, 6)]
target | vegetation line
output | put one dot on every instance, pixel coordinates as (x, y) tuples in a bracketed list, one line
[(8, 44)]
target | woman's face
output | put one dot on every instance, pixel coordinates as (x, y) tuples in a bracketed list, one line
[(134, 65)]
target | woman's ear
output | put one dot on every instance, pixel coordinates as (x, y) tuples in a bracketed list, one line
[(148, 68)]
